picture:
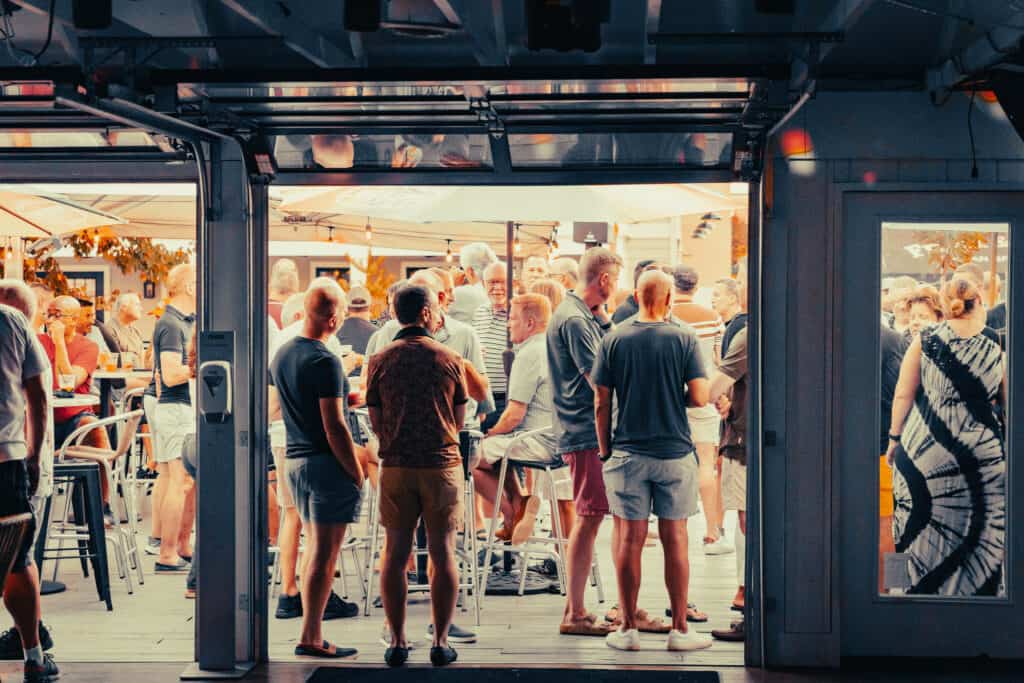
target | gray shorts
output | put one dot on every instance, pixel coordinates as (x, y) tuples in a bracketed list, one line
[(638, 484), (322, 490), (174, 422), (734, 484)]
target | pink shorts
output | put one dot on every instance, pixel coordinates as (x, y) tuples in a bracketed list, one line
[(588, 492)]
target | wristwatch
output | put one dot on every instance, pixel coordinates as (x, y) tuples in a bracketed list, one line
[(604, 458), (895, 438)]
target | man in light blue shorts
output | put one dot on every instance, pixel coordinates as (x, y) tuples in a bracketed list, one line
[(654, 369)]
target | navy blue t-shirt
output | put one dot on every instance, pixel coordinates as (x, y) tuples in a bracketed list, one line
[(647, 367), (305, 371), (171, 335)]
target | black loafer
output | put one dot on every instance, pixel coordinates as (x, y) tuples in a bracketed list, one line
[(179, 566), (324, 651), (442, 656), (396, 656)]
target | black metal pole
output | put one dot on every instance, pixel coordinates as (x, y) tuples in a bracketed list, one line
[(509, 355)]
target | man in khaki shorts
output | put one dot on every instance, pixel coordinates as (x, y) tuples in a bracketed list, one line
[(416, 393), (729, 392)]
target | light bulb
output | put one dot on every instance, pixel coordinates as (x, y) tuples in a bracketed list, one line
[(369, 232), (448, 253)]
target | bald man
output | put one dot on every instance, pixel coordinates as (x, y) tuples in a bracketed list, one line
[(323, 469), (175, 419), (71, 354), (654, 369)]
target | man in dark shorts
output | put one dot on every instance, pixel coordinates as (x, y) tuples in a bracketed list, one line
[(22, 398), (573, 337), (323, 469), (655, 370), (416, 392)]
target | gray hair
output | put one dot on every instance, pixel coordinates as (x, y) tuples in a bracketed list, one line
[(476, 255), (565, 266), (17, 294), (732, 287), (685, 278), (596, 261), (284, 277), (495, 266), (122, 299)]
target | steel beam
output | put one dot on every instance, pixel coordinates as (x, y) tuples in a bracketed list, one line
[(304, 39), (652, 20)]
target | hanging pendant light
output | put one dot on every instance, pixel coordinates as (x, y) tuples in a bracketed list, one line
[(369, 230), (516, 246), (448, 254), (330, 233)]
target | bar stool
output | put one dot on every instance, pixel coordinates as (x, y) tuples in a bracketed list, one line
[(534, 545), (81, 482), (469, 444)]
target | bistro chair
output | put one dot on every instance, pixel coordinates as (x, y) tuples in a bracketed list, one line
[(123, 537), (535, 546)]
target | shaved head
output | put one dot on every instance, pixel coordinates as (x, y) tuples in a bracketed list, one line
[(179, 279), (325, 305), (654, 292)]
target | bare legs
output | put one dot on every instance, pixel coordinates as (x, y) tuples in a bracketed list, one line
[(627, 553), (394, 584), (674, 541), (324, 543), (580, 557), (21, 596), (288, 544), (444, 581), (177, 487), (710, 496)]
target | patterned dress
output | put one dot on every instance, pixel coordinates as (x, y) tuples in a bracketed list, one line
[(949, 477)]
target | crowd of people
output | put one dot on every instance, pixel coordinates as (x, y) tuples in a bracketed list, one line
[(943, 463), (536, 370)]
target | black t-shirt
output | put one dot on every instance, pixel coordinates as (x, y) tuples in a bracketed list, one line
[(893, 347), (356, 332), (172, 334), (304, 371), (627, 309), (738, 322), (647, 366)]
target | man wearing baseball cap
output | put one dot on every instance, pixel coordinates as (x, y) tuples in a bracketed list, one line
[(357, 328)]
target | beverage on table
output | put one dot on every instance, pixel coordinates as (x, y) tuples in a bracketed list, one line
[(66, 382), (110, 364), (128, 361)]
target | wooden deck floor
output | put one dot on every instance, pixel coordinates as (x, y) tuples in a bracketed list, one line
[(155, 624)]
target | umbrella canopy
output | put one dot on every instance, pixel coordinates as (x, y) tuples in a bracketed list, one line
[(618, 204), (39, 216)]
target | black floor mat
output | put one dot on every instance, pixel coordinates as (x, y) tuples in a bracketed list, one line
[(475, 674)]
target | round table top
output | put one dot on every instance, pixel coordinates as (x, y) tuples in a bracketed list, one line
[(78, 401)]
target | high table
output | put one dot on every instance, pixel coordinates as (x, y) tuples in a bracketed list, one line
[(106, 377), (77, 401)]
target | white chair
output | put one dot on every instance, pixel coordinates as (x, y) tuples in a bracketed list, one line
[(536, 546)]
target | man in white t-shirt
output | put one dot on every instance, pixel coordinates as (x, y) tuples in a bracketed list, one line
[(23, 403)]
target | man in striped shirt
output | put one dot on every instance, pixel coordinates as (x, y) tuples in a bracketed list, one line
[(705, 422), (491, 324)]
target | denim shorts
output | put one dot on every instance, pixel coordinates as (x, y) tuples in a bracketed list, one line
[(323, 491), (637, 485), (14, 500)]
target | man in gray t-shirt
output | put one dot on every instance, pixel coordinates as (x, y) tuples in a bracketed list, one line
[(654, 369)]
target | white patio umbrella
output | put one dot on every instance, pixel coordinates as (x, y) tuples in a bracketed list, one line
[(428, 204)]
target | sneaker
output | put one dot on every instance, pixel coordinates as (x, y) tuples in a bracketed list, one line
[(152, 546), (442, 656), (546, 568), (385, 639), (41, 672), (339, 609), (719, 547), (288, 606), (455, 634), (684, 642), (623, 640), (736, 633), (10, 643)]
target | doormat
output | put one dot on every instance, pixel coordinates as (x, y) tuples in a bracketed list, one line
[(331, 674), (507, 583)]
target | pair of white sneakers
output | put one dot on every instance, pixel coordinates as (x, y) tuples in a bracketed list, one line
[(677, 640)]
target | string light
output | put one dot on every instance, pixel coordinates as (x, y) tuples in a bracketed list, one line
[(516, 246), (330, 233), (554, 243), (448, 254), (369, 230)]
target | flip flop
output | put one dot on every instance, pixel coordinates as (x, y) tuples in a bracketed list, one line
[(644, 622), (693, 615), (324, 651)]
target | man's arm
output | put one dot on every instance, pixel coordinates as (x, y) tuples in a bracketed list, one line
[(476, 383), (37, 405), (273, 405), (172, 370), (603, 417), (511, 418), (721, 383), (332, 412), (697, 392)]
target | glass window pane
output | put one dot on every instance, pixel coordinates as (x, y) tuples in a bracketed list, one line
[(942, 473), (343, 150), (695, 150)]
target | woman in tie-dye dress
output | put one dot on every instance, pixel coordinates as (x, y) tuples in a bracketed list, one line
[(948, 452)]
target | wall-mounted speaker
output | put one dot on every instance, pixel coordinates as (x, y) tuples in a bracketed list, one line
[(580, 230)]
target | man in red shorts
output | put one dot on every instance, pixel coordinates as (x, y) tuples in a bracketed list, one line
[(573, 337)]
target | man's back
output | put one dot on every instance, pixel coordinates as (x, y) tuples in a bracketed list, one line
[(20, 359), (305, 371), (706, 323), (648, 364), (416, 383), (467, 299), (356, 332)]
